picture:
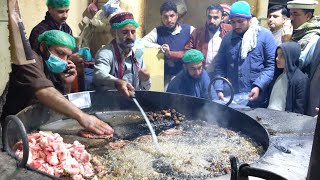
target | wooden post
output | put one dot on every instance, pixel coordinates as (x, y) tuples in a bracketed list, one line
[(253, 6), (262, 12), (259, 8)]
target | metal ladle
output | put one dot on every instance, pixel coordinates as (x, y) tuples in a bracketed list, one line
[(153, 134)]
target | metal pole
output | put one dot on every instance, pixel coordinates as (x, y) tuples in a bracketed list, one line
[(314, 164)]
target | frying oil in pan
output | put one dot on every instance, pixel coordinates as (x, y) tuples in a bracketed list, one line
[(202, 151)]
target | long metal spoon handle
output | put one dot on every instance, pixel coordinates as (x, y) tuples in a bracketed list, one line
[(153, 134)]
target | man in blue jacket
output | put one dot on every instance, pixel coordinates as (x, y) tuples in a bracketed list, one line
[(246, 57), (193, 80)]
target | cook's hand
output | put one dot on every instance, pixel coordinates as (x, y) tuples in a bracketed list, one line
[(93, 124), (165, 49), (124, 88), (69, 76), (143, 74), (253, 95), (76, 58), (220, 95)]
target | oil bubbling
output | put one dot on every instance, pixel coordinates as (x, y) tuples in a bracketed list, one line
[(202, 151)]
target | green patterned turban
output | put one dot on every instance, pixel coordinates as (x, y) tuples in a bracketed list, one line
[(192, 56), (56, 37), (58, 3)]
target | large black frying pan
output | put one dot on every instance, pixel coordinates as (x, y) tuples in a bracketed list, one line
[(113, 103)]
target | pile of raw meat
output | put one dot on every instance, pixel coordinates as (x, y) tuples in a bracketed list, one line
[(48, 153)]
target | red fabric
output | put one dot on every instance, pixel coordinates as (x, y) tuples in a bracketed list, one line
[(119, 61), (226, 8), (118, 18), (199, 38)]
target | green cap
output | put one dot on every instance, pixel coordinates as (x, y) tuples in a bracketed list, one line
[(58, 3), (192, 56), (56, 37)]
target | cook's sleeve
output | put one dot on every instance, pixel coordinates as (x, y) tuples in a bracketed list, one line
[(32, 76), (103, 68)]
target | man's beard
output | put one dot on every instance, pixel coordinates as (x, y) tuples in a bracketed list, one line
[(212, 27), (241, 33), (193, 77), (170, 29), (62, 21), (127, 44)]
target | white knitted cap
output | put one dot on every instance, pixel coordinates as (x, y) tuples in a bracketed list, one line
[(302, 4)]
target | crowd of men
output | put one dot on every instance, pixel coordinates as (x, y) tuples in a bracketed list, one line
[(277, 67)]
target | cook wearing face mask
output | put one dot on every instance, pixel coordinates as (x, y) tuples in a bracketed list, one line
[(45, 81), (61, 70), (55, 64)]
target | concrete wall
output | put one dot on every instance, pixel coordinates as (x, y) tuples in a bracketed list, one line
[(317, 11), (5, 67), (137, 10)]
